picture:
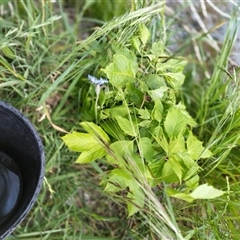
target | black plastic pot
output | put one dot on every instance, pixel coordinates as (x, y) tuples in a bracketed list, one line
[(19, 141)]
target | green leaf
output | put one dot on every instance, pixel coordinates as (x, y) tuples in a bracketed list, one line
[(176, 64), (172, 65), (206, 192), (157, 94), (95, 131), (192, 167), (176, 145), (189, 120), (175, 122), (144, 130), (144, 113), (190, 235), (144, 33), (136, 43), (118, 179), (154, 81), (118, 110), (158, 48), (122, 70), (89, 144), (8, 52), (144, 123), (158, 132), (112, 188), (156, 168), (168, 175), (195, 148), (131, 207), (79, 142), (176, 166), (143, 86), (193, 182), (162, 141), (183, 196), (174, 79), (206, 153), (172, 71), (146, 149), (157, 111), (136, 202), (120, 149), (93, 154), (113, 129), (127, 126), (134, 95), (4, 62), (176, 194)]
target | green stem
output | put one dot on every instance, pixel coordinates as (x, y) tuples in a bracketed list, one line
[(97, 89)]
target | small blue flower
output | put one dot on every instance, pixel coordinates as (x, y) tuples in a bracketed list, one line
[(96, 81)]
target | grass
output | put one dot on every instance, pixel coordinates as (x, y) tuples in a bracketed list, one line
[(43, 67)]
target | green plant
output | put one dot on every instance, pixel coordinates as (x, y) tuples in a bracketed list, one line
[(44, 68), (143, 131)]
